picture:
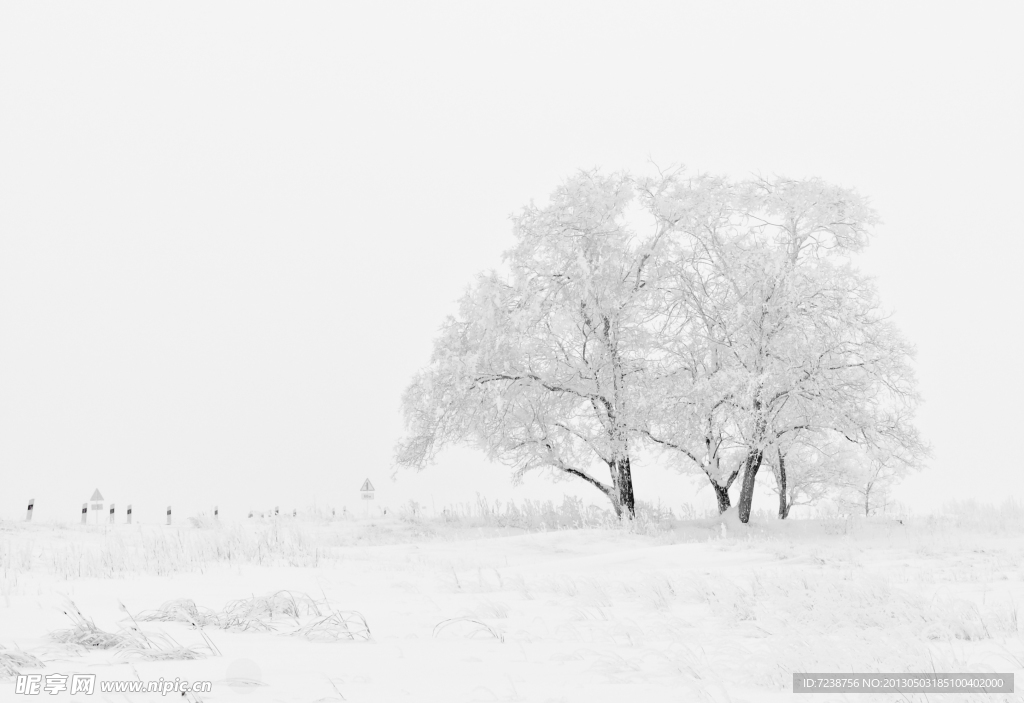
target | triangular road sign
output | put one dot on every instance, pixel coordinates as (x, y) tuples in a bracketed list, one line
[(96, 495), (367, 486)]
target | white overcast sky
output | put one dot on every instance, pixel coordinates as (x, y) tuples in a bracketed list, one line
[(230, 231)]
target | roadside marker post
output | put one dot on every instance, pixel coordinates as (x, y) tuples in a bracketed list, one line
[(111, 513), (129, 513), (97, 504), (216, 513), (367, 492), (31, 504), (168, 515), (85, 512)]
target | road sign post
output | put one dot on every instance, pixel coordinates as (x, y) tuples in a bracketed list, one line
[(97, 504), (367, 494)]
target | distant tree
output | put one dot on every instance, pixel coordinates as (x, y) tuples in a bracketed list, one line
[(542, 368), (808, 467), (868, 488), (879, 459)]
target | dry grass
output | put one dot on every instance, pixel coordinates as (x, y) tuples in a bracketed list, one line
[(540, 516), (338, 626), (129, 641), (12, 661), (303, 615), (85, 633), (181, 610), (468, 627), (263, 612)]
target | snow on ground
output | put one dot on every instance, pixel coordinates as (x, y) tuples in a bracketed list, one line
[(463, 612)]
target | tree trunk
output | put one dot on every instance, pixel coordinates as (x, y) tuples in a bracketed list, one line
[(783, 497), (722, 493), (623, 480), (751, 465)]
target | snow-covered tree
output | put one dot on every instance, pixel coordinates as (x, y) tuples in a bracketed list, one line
[(720, 321), (868, 488), (882, 456), (772, 331), (808, 467), (542, 367), (691, 379)]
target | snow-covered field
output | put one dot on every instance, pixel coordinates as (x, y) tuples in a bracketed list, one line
[(705, 610)]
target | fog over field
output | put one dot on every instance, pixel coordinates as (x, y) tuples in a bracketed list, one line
[(539, 351)]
